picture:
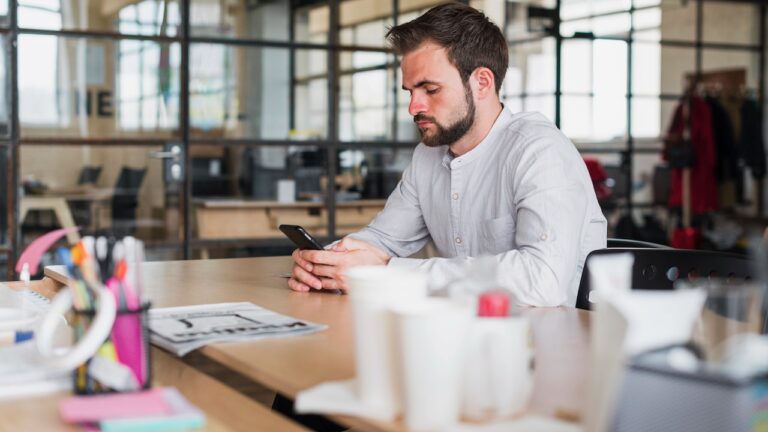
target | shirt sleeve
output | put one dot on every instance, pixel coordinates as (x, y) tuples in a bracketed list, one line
[(399, 229), (551, 204)]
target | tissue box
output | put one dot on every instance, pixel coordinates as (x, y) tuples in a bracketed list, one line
[(657, 398)]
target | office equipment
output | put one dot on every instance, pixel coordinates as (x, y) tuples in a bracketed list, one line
[(658, 397), (108, 322), (209, 176)]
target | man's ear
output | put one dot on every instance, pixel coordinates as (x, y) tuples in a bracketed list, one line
[(483, 82)]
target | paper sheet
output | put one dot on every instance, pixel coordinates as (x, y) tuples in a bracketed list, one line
[(183, 329)]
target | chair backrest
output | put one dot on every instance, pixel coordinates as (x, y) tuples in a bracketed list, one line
[(126, 195), (89, 175), (659, 268), (628, 243), (130, 179)]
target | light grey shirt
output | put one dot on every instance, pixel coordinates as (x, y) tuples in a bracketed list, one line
[(522, 195)]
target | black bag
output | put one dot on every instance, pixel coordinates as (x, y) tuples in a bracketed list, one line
[(680, 152), (679, 148)]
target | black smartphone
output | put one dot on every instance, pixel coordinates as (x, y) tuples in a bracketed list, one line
[(300, 237)]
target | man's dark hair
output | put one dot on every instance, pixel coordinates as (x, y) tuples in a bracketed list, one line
[(469, 37)]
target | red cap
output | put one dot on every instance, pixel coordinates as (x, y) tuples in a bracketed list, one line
[(493, 304)]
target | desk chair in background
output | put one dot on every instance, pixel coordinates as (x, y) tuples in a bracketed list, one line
[(659, 268), (89, 175), (81, 210), (627, 243), (125, 200)]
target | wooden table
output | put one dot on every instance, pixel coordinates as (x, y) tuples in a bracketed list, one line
[(289, 365)]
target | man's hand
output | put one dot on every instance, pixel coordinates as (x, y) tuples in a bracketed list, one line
[(326, 269), (302, 278)]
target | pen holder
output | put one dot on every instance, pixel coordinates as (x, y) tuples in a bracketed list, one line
[(122, 363)]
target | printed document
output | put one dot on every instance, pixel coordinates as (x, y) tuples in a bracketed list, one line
[(186, 328)]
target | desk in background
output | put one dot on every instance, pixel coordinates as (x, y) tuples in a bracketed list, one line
[(59, 207), (289, 365), (241, 219), (250, 219), (58, 201)]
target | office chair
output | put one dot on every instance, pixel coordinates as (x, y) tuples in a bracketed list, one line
[(659, 268), (125, 200), (81, 209), (628, 243), (89, 175)]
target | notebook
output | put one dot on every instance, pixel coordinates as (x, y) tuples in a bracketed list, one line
[(156, 409)]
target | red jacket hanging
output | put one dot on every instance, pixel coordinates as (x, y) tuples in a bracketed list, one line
[(704, 192)]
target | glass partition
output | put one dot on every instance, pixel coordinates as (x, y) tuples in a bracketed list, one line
[(5, 202), (120, 190), (267, 20), (239, 92), (79, 87), (143, 17)]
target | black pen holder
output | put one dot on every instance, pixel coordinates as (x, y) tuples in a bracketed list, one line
[(123, 362)]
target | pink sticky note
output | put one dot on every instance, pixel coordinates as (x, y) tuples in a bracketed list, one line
[(91, 409)]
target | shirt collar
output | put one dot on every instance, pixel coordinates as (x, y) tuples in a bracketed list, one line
[(452, 162)]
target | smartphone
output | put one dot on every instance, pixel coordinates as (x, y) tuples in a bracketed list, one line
[(300, 237)]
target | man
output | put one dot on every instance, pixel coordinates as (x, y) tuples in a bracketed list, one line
[(482, 181)]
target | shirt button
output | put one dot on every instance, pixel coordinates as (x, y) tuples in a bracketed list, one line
[(458, 240), (455, 195), (543, 237)]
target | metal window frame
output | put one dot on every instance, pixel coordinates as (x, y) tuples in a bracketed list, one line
[(332, 142)]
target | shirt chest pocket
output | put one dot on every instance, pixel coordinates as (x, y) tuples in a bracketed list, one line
[(498, 235)]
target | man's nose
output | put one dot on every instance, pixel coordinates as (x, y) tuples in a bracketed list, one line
[(417, 105)]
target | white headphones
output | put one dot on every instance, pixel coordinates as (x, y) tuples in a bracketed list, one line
[(71, 357)]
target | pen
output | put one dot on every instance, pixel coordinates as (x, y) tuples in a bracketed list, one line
[(8, 338)]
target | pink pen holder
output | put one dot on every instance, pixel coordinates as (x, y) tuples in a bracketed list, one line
[(122, 363)]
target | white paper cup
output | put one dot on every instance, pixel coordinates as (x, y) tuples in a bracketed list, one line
[(373, 290), (431, 336), (497, 378)]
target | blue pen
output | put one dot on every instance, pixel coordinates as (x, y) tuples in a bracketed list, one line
[(65, 256), (13, 337)]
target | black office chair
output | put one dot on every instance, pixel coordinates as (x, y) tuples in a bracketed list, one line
[(125, 200), (89, 175), (659, 268), (628, 243), (81, 209)]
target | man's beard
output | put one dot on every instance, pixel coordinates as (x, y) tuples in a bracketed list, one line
[(454, 132)]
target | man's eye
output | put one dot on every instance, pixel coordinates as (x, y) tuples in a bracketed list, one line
[(432, 91)]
